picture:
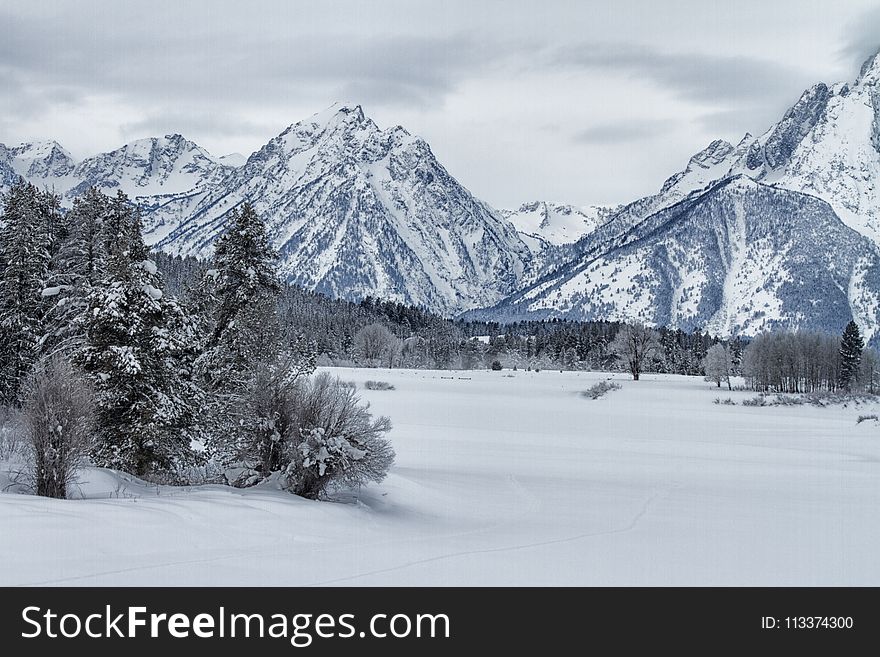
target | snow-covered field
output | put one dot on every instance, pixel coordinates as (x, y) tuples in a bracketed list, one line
[(506, 481)]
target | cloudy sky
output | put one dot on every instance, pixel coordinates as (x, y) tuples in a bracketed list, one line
[(578, 101)]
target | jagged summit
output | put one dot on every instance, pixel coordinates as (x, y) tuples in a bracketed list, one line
[(546, 224)]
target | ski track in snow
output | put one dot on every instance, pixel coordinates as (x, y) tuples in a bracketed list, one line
[(510, 548)]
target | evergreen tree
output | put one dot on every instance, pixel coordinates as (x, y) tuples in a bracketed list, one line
[(77, 267), (139, 350), (851, 345), (25, 244), (242, 288)]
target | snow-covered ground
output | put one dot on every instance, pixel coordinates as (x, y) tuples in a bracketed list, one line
[(506, 481)]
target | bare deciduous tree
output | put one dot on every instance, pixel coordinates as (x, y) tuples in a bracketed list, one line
[(717, 365), (803, 361), (376, 344), (58, 418), (636, 345)]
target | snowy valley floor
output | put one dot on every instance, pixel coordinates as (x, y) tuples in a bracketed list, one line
[(505, 480)]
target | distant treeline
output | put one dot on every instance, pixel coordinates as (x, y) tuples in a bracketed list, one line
[(426, 340)]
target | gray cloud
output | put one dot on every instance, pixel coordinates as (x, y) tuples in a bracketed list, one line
[(863, 38), (692, 76), (623, 131), (493, 90), (188, 123), (240, 67)]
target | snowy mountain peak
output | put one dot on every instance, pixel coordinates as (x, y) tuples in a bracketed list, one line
[(777, 147), (704, 167), (713, 153), (355, 210), (345, 115), (745, 141), (152, 172), (38, 161)]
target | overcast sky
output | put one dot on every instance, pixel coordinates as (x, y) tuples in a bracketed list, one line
[(582, 102)]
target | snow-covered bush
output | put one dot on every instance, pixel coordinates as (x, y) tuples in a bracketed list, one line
[(315, 434), (58, 419), (378, 385), (865, 418), (339, 443)]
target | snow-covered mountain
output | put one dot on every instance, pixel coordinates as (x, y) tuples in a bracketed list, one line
[(638, 263), (827, 145), (152, 172), (353, 209), (40, 162), (736, 258), (541, 223), (356, 210)]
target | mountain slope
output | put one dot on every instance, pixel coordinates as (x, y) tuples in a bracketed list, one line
[(737, 258), (355, 210)]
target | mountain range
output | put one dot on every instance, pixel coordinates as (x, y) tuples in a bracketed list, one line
[(776, 230)]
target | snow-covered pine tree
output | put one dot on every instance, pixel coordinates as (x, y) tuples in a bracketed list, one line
[(139, 350), (77, 266), (851, 345), (25, 244), (243, 289)]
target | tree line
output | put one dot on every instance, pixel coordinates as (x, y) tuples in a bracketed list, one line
[(374, 332)]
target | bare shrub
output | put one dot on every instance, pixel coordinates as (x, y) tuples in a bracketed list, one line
[(378, 385), (599, 389), (58, 420), (789, 400), (865, 418), (724, 402), (755, 401)]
